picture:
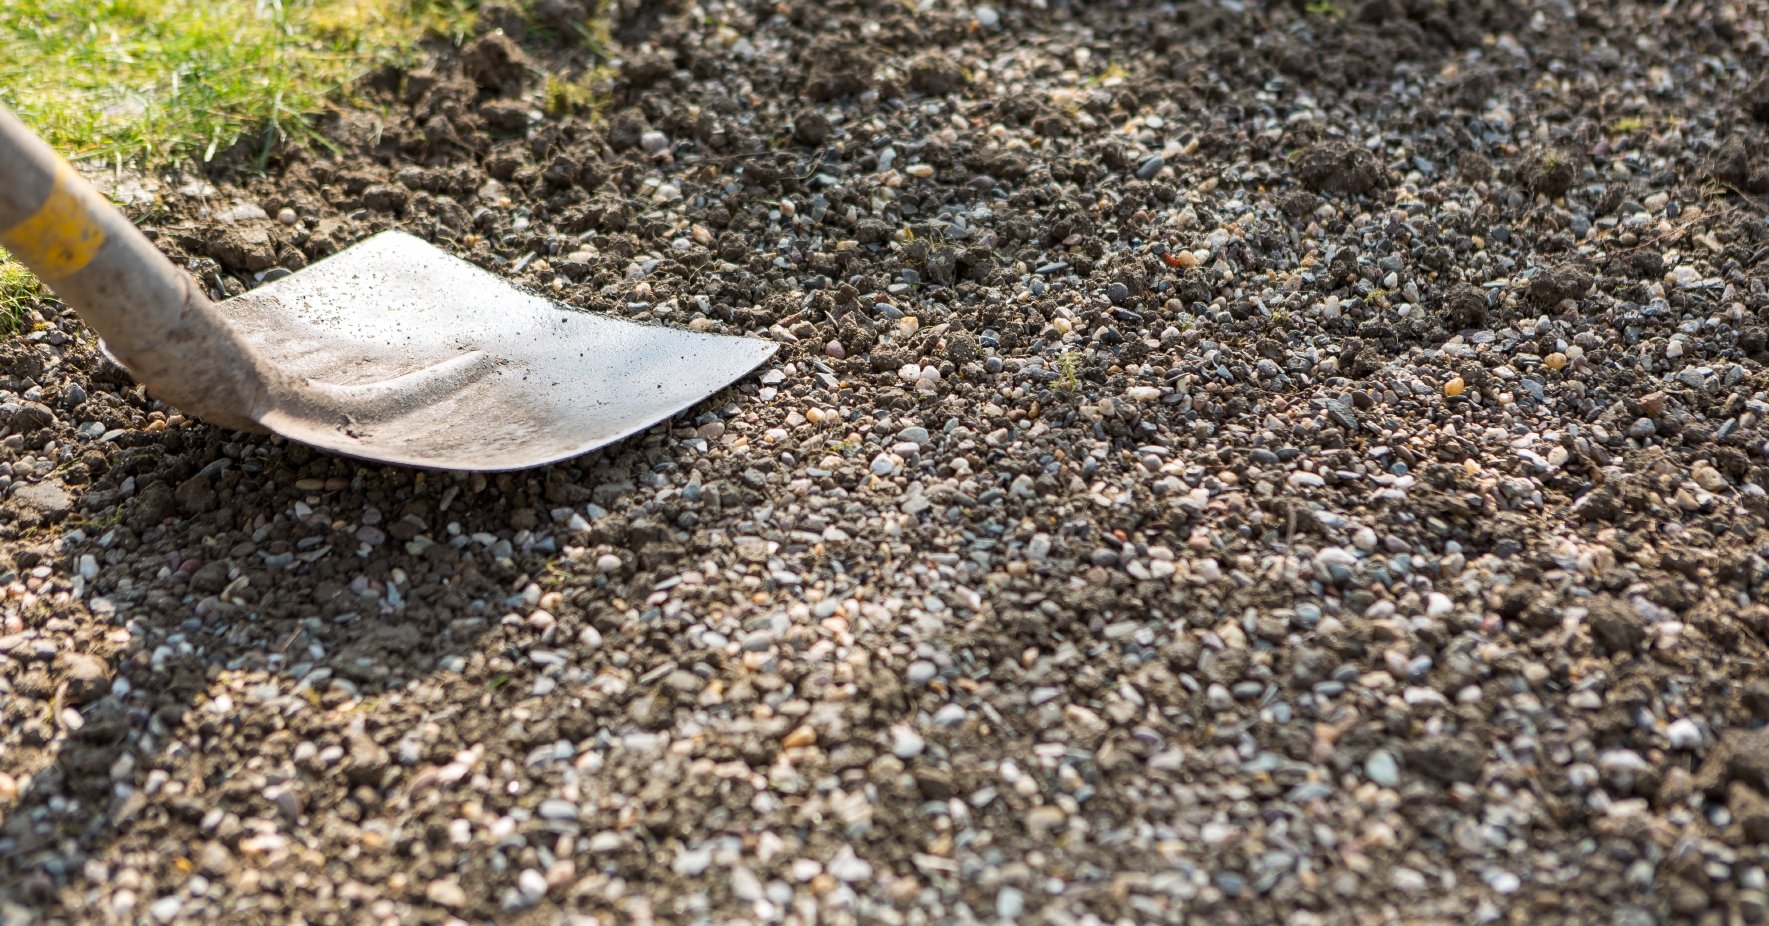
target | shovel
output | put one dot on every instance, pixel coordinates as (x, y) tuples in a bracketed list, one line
[(390, 350)]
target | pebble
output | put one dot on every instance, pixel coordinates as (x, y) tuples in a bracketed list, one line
[(1382, 768), (87, 678), (1010, 902), (848, 867), (532, 885), (445, 893), (557, 809), (906, 744), (1150, 560), (692, 863), (1684, 735)]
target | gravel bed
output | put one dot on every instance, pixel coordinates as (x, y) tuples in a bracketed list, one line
[(1231, 462)]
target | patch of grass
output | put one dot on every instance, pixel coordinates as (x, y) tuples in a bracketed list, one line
[(1112, 72), (1068, 371), (18, 291), (1628, 125), (1325, 8), (156, 80), (565, 96)]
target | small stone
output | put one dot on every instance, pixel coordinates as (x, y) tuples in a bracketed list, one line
[(1447, 758), (607, 563), (1382, 768), (1615, 626), (286, 801), (166, 909), (906, 744), (1504, 882), (1009, 903), (745, 885), (1150, 167), (87, 678), (557, 809), (1044, 819), (1684, 735), (800, 736), (693, 862), (446, 894), (1454, 387), (532, 885), (195, 495), (39, 503), (1709, 478), (848, 867)]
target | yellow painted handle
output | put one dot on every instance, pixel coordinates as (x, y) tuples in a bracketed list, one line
[(63, 235)]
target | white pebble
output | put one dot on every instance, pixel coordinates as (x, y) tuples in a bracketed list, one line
[(1684, 734), (906, 744)]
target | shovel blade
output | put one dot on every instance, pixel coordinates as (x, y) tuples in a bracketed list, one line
[(414, 357)]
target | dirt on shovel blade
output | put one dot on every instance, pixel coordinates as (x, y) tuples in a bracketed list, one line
[(1230, 462)]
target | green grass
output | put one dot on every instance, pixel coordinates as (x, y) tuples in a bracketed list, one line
[(1068, 370), (152, 81), (19, 290)]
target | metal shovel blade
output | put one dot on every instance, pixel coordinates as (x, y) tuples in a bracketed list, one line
[(408, 355)]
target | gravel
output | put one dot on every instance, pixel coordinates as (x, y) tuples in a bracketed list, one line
[(1244, 462)]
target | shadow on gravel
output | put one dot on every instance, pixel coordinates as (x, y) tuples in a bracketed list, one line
[(264, 633)]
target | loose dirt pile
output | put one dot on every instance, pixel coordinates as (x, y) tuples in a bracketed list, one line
[(1250, 462)]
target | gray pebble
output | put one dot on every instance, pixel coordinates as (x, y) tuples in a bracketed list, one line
[(1382, 768)]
